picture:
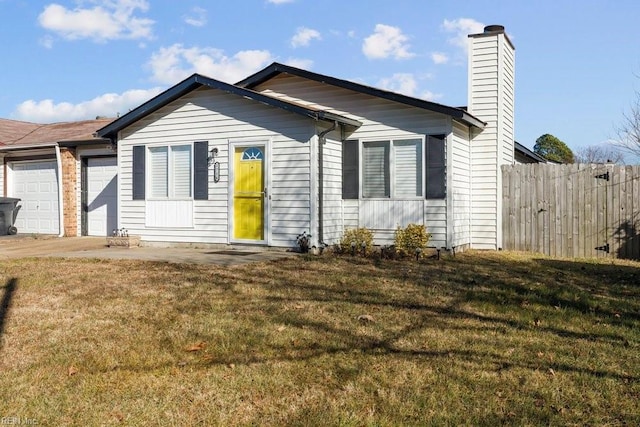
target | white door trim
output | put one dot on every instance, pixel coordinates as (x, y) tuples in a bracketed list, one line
[(240, 143)]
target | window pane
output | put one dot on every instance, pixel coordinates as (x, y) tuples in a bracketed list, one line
[(159, 172), (408, 167), (181, 170), (375, 165)]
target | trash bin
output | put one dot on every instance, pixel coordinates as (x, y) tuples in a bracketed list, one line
[(8, 212)]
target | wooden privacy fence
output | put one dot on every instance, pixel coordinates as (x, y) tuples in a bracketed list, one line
[(576, 210)]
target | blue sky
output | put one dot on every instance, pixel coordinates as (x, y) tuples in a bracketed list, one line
[(577, 63)]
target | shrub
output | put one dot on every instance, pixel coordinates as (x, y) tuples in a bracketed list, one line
[(410, 239), (358, 236)]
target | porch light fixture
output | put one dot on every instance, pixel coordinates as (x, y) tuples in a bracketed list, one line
[(211, 160), (212, 156)]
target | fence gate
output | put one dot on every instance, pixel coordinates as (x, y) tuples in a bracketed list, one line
[(572, 210)]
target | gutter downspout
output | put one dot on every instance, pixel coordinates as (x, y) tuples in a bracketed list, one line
[(60, 191), (321, 141)]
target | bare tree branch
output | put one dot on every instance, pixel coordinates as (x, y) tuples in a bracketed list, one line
[(600, 154), (628, 131)]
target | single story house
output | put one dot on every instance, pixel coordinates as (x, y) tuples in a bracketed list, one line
[(287, 151), (279, 153)]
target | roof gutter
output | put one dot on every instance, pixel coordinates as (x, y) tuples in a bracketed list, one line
[(5, 148)]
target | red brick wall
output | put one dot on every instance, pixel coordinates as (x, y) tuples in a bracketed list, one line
[(69, 191)]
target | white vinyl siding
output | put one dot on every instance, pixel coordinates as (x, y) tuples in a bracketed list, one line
[(459, 183), (491, 83), (332, 216), (381, 120), (218, 117)]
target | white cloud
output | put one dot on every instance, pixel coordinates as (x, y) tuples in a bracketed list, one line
[(304, 36), (171, 64), (197, 18), (109, 104), (462, 27), (439, 58), (385, 42), (108, 20), (46, 41), (280, 1), (406, 84), (305, 64)]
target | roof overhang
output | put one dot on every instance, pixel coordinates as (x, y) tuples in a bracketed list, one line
[(76, 143), (194, 82), (276, 68), (18, 147)]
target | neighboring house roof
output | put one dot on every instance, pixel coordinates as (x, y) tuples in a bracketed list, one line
[(12, 130), (196, 81), (524, 151), (16, 135), (276, 68)]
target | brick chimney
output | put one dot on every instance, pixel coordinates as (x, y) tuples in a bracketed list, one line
[(491, 99)]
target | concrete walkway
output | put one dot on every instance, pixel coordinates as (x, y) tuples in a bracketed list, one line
[(95, 247)]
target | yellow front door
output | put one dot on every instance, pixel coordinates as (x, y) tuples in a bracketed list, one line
[(248, 196)]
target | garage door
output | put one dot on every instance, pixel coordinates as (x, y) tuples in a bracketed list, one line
[(102, 196), (36, 184)]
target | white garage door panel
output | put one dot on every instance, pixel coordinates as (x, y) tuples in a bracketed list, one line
[(36, 183), (102, 196)]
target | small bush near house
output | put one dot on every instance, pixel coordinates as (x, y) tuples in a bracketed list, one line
[(411, 239), (355, 238)]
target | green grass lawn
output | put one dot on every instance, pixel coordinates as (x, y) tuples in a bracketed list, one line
[(484, 338)]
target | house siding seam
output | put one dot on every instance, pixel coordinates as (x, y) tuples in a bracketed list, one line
[(460, 186), (69, 191), (220, 118), (381, 119), (332, 190)]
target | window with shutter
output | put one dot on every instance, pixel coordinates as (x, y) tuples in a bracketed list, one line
[(392, 169)]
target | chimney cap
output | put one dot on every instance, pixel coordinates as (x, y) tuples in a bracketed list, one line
[(493, 28)]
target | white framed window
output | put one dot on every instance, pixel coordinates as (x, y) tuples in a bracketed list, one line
[(393, 168), (170, 172)]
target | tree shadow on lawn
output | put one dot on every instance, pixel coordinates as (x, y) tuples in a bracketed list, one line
[(466, 282), (5, 304), (470, 293)]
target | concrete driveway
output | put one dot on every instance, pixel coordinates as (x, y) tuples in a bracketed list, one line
[(95, 247)]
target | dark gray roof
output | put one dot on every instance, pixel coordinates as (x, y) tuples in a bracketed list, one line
[(276, 68), (528, 153), (195, 81)]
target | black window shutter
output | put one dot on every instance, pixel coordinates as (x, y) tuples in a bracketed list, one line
[(201, 170), (350, 176), (436, 167), (138, 172)]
